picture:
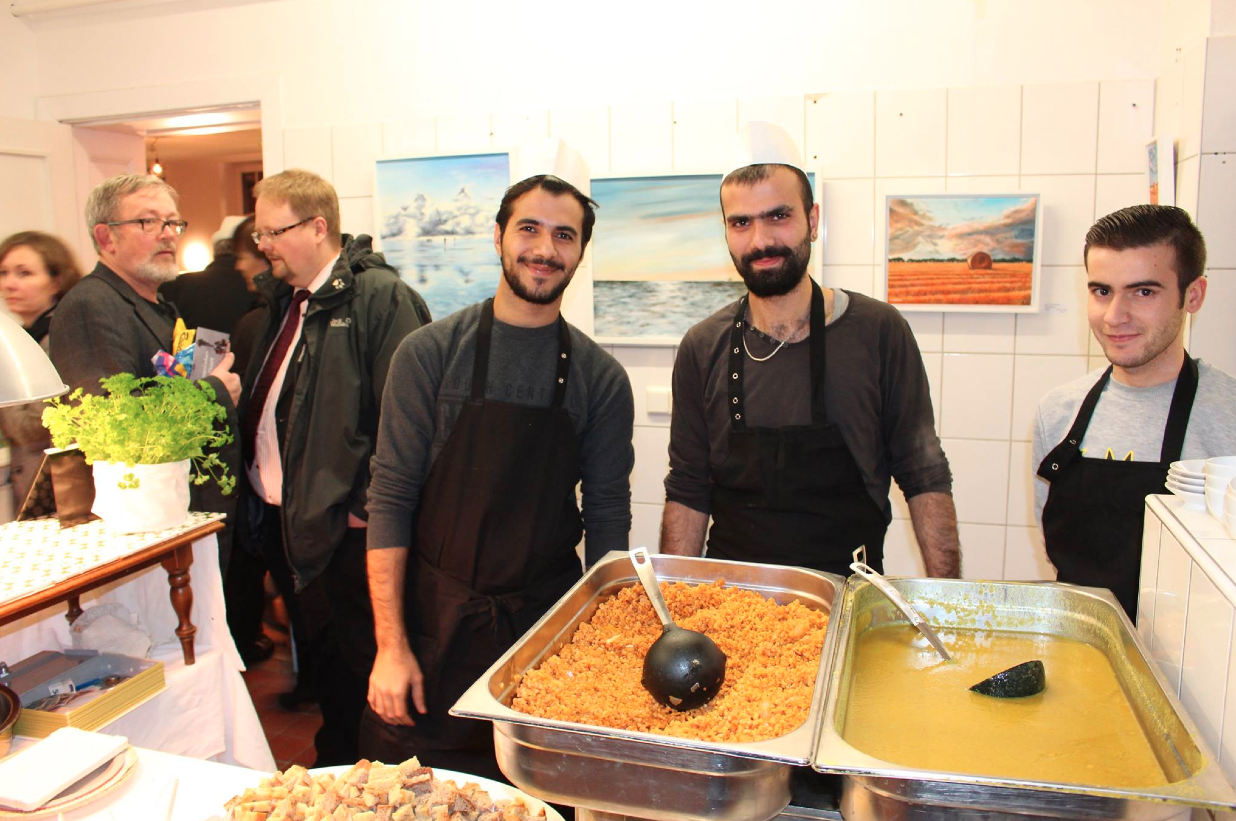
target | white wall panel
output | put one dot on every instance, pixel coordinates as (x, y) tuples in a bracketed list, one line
[(1115, 191), (1036, 375), (310, 149), (1219, 105), (847, 216), (651, 465), (1126, 124), (978, 333), (647, 368), (464, 134), (1059, 128), (356, 215), (968, 377), (1021, 484), (704, 135), (641, 138), (858, 278), (927, 326), (980, 478), (911, 130), (841, 134), (1208, 636), (515, 129), (1216, 208), (409, 138), (1193, 67), (1025, 558), (586, 129), (981, 185), (984, 130), (982, 551), (902, 556), (354, 149)]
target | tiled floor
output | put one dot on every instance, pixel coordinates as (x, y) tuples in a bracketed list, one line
[(290, 732)]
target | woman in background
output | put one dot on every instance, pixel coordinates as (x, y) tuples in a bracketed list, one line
[(36, 270)]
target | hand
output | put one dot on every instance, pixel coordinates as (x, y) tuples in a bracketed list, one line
[(231, 382), (394, 672)]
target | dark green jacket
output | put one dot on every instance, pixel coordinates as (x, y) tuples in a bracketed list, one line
[(327, 412)]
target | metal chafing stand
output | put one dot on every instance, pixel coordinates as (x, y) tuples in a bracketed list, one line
[(613, 774)]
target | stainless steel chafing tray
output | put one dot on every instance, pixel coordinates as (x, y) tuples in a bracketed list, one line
[(880, 789), (641, 774)]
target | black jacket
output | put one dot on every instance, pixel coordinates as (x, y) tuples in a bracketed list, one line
[(327, 411), (214, 298)]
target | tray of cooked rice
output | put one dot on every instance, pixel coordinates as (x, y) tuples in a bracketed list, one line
[(574, 725)]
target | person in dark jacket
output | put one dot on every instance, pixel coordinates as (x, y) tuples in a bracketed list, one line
[(336, 314), (215, 297)]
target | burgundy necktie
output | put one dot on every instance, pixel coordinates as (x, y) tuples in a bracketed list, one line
[(257, 401)]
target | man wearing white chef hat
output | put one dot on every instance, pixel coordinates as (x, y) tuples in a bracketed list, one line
[(1105, 441), (491, 418), (794, 406)]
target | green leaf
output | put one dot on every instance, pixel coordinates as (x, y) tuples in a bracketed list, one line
[(145, 422)]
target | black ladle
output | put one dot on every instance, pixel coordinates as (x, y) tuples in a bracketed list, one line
[(683, 669)]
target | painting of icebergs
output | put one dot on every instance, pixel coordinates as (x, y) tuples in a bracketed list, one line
[(435, 218)]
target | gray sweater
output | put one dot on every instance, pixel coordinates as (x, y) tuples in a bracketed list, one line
[(429, 381), (1128, 422)]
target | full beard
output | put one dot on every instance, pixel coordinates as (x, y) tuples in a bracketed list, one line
[(776, 281), (537, 296), (156, 272)]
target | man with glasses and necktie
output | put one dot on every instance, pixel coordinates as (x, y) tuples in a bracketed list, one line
[(336, 313), (118, 321)]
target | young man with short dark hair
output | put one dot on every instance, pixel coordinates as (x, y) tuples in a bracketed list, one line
[(493, 416), (1102, 444)]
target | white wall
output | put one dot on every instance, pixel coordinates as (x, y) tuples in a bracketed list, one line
[(18, 86)]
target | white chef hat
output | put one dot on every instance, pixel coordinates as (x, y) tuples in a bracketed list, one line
[(761, 142), (551, 156), (227, 229)]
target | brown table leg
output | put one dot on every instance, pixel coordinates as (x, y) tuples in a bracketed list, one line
[(177, 565), (75, 609)]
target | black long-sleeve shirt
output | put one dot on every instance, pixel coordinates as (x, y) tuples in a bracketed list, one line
[(876, 391)]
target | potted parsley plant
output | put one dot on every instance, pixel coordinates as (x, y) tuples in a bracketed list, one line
[(147, 440)]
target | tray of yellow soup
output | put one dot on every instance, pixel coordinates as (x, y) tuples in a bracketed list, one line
[(1105, 739)]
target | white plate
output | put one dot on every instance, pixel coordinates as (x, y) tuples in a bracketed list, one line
[(1186, 481), (495, 789), (1196, 467), (1195, 501)]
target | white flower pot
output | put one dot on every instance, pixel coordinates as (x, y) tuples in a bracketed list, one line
[(138, 498)]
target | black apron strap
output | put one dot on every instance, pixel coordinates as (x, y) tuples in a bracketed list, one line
[(1070, 449), (819, 412), (480, 361), (564, 363), (733, 377), (1179, 413)]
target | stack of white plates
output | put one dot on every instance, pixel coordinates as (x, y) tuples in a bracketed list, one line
[(1229, 509), (1187, 480), (1219, 473)]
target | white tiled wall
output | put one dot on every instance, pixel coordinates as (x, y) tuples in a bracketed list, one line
[(1076, 144)]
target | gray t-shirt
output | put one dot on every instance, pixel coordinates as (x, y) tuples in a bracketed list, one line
[(430, 379), (876, 392), (1128, 422)]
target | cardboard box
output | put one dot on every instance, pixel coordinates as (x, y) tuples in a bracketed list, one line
[(48, 673)]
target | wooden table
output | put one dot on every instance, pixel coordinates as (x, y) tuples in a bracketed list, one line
[(41, 565)]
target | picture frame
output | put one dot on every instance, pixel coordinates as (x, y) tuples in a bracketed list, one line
[(1161, 171), (660, 263), (969, 253), (434, 222)]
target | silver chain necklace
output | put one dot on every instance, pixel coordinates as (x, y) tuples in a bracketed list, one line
[(780, 345)]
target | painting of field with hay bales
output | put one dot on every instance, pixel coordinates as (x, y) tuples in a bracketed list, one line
[(963, 252)]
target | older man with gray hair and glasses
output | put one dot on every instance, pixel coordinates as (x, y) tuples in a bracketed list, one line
[(118, 321)]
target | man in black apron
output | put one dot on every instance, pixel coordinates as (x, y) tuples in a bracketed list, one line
[(1104, 445), (788, 443), (490, 420)]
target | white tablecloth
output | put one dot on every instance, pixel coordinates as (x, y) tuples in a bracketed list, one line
[(205, 712)]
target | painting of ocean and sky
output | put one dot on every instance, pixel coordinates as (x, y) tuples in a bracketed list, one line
[(435, 219), (963, 252), (659, 258)]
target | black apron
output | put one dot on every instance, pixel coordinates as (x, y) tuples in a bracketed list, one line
[(791, 495), (494, 550), (1095, 508)]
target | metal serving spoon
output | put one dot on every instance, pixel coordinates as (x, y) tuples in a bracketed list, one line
[(683, 669), (861, 567)]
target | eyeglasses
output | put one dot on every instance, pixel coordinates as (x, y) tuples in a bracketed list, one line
[(154, 225), (274, 232)]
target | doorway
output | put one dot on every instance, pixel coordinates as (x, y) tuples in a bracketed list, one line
[(211, 156)]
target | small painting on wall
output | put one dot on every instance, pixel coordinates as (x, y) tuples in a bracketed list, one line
[(951, 252), (659, 258), (435, 222), (1160, 172)]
